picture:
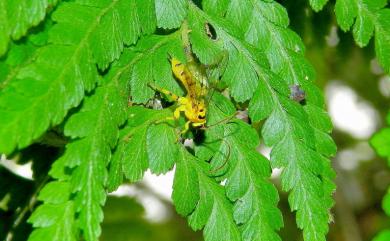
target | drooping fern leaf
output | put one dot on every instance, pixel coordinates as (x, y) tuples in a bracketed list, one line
[(133, 156), (367, 18), (297, 133), (45, 90), (246, 173), (94, 130), (197, 195), (55, 219)]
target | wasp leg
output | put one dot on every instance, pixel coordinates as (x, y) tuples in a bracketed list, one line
[(197, 124), (176, 115), (222, 58), (165, 119), (186, 127), (223, 121), (168, 93)]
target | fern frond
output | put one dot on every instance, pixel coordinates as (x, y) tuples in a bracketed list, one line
[(294, 131), (368, 18), (94, 130), (246, 172), (133, 156), (197, 195), (54, 220), (45, 90), (16, 17)]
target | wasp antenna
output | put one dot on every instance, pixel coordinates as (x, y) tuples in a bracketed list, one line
[(151, 85), (225, 120), (210, 96), (169, 56), (226, 159)]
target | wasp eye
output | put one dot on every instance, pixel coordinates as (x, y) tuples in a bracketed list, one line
[(201, 110)]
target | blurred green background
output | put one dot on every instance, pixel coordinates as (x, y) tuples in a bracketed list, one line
[(357, 93)]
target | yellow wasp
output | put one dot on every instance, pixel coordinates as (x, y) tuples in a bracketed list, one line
[(193, 78), (192, 105)]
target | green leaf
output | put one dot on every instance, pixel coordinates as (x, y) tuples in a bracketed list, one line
[(154, 52), (211, 210), (239, 68), (274, 128), (131, 158), (317, 5), (94, 132), (215, 7), (382, 236), (64, 70), (170, 13), (300, 177), (16, 17), (261, 104), (54, 220), (346, 12), (284, 49), (363, 29), (18, 56), (305, 146), (161, 147), (33, 111), (147, 16), (371, 17), (120, 18), (55, 192), (202, 45), (239, 12), (272, 12), (381, 142), (246, 172), (382, 39), (185, 193)]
